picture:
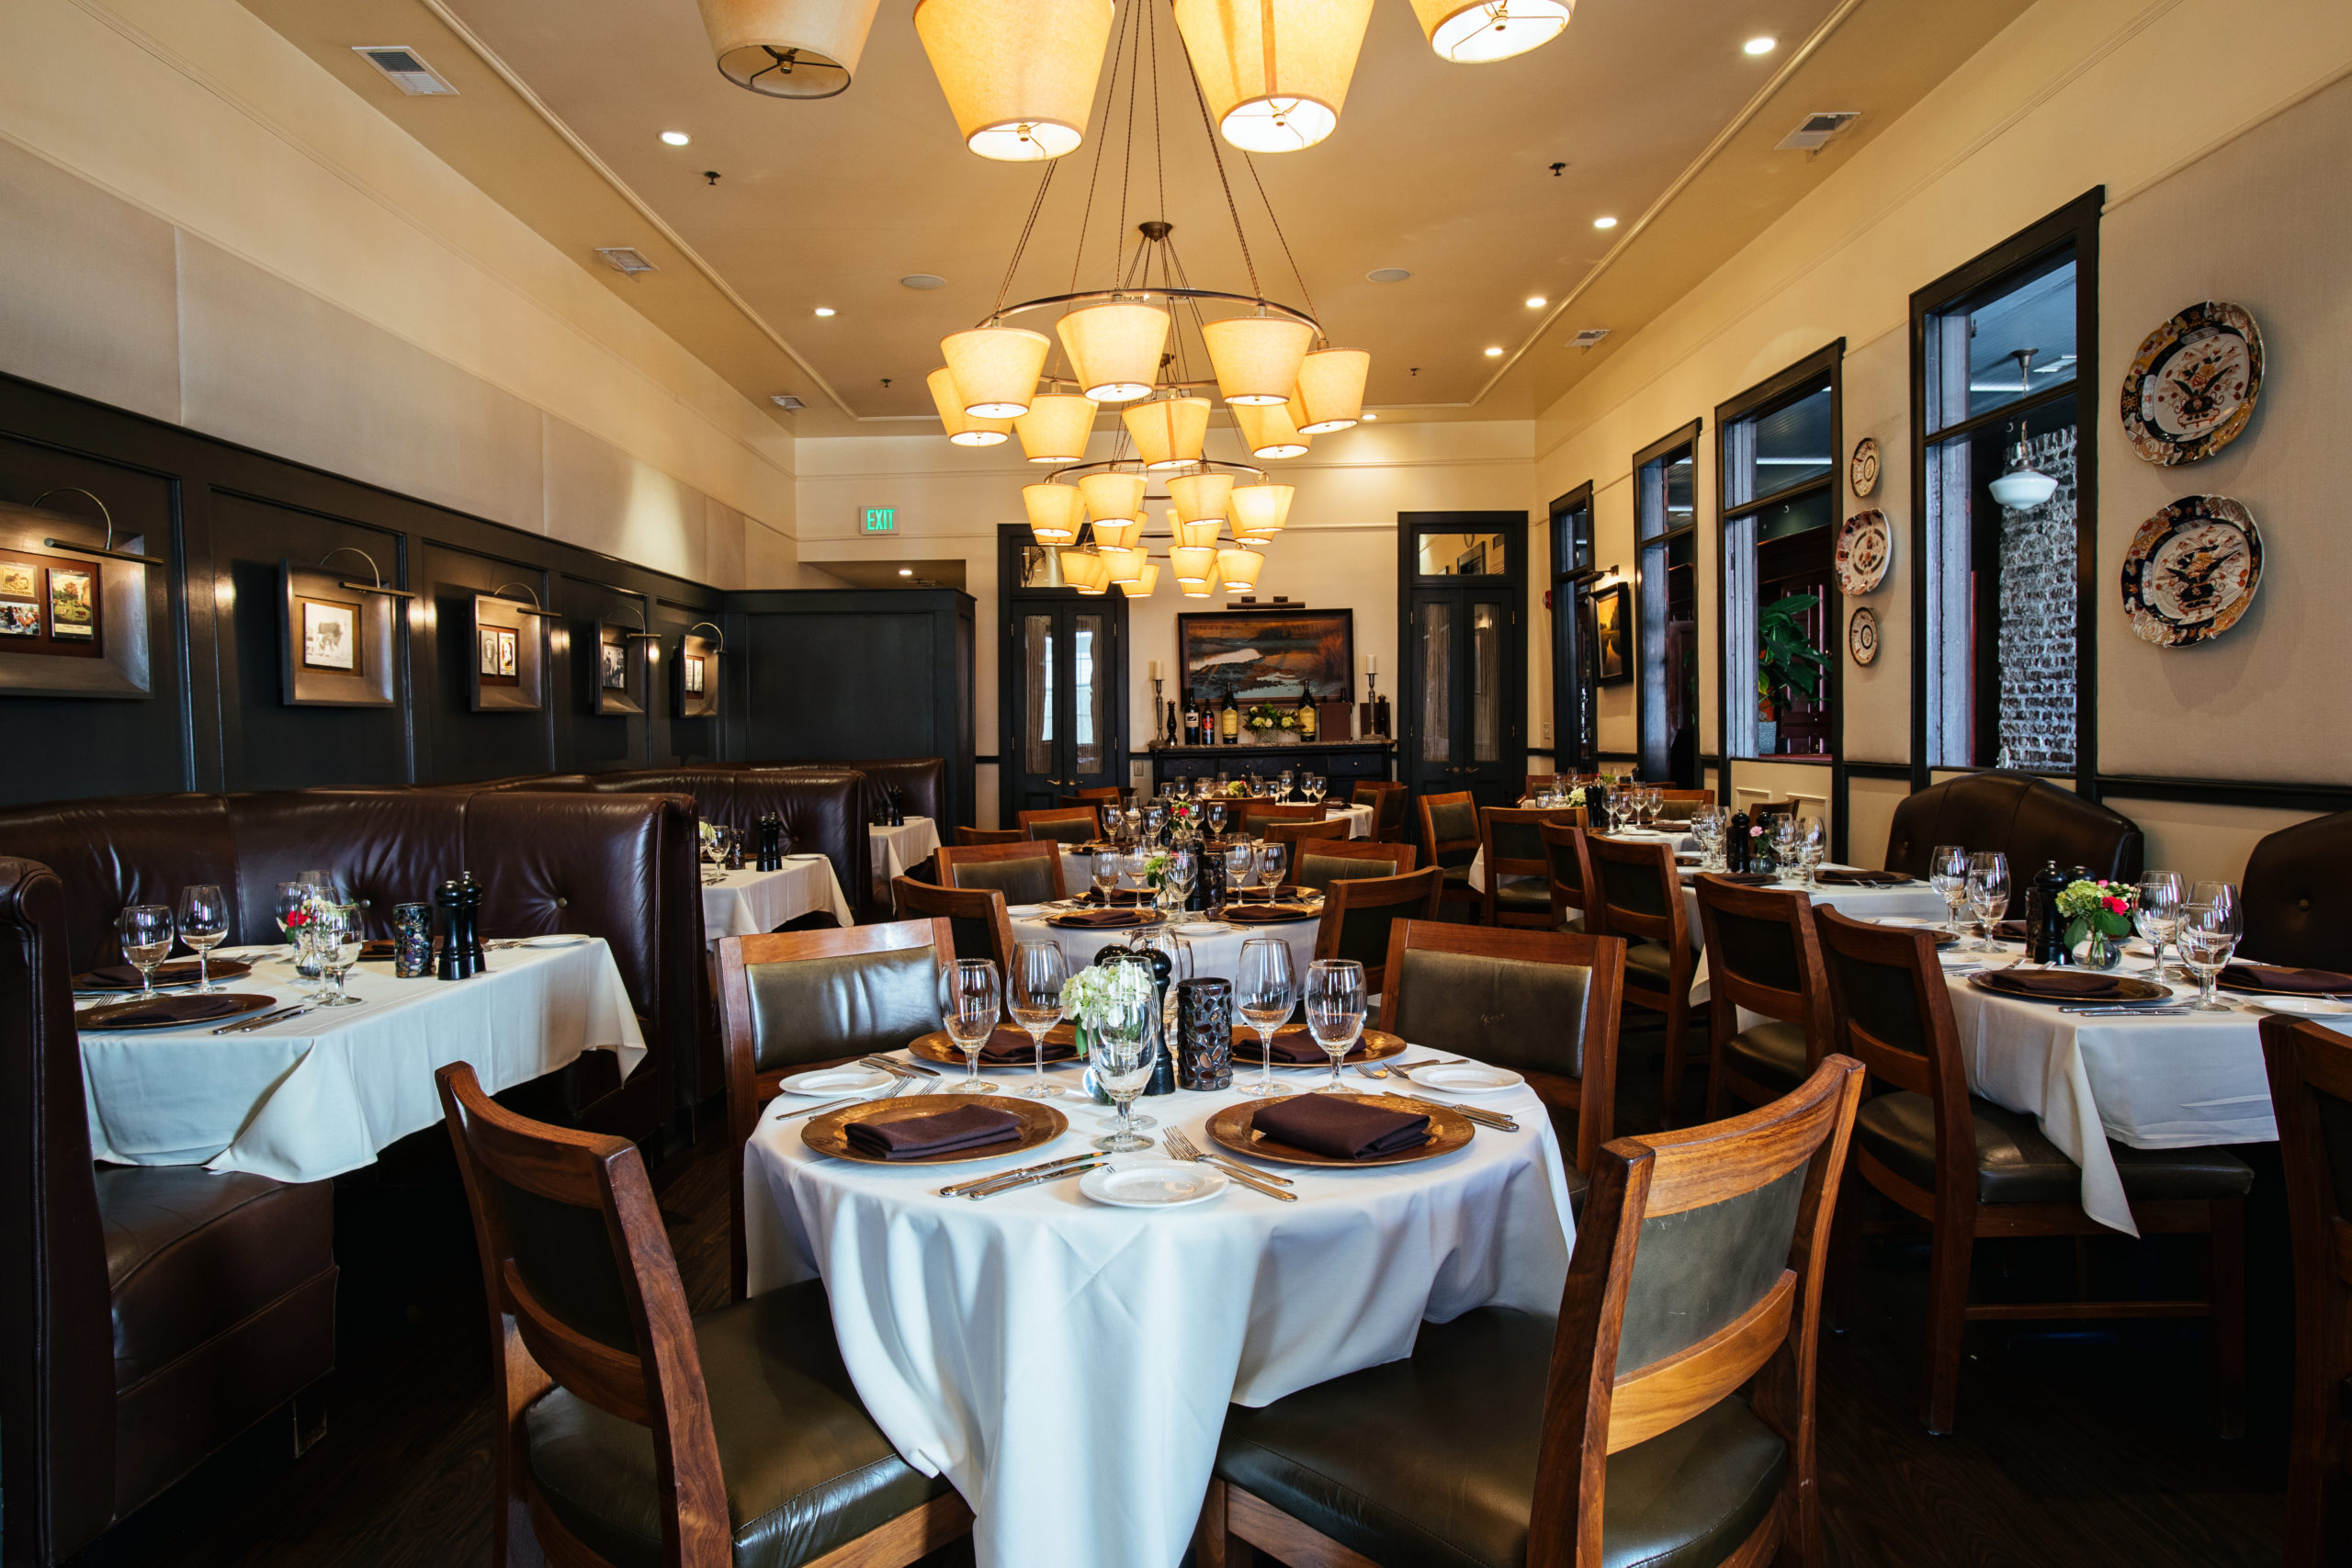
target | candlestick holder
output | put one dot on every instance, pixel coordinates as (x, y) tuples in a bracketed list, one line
[(1371, 704)]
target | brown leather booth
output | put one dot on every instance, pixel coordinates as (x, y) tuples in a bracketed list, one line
[(920, 782), (2297, 894), (2018, 814), (148, 1314)]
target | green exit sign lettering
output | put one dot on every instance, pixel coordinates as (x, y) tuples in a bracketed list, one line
[(881, 519)]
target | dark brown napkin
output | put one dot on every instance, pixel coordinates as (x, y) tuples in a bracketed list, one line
[(1294, 1046), (1103, 919), (1859, 878), (175, 1010), (2011, 931), (2059, 982), (2301, 982), (943, 1132), (1124, 898), (1010, 1045), (1341, 1128), (1266, 914), (179, 972)]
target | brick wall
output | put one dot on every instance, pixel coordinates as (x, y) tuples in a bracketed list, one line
[(2037, 648)]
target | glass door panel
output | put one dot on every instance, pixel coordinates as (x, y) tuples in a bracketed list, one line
[(1065, 707)]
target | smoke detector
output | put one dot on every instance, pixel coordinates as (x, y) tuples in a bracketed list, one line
[(1817, 129), (786, 401), (1588, 338), (626, 259), (406, 69)]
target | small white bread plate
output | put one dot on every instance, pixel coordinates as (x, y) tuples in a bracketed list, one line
[(829, 1082), (1152, 1183), (2303, 1007), (1465, 1077), (558, 941)]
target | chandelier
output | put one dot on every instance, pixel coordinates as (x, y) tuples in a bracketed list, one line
[(1164, 351)]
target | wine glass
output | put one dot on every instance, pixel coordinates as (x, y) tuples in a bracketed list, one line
[(1315, 786), (1286, 779), (292, 896), (1334, 1005), (1273, 862), (1987, 891), (1785, 842), (1264, 994), (1240, 859), (1948, 875), (1111, 816), (144, 931), (1105, 872), (204, 925), (2156, 915), (1033, 996), (1200, 786), (1176, 877), (1215, 817), (1813, 843), (1123, 1056), (1652, 799), (337, 931), (969, 997), (2208, 934)]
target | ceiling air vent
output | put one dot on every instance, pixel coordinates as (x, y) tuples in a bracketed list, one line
[(1817, 129), (1588, 338), (625, 258), (404, 69), (786, 401)]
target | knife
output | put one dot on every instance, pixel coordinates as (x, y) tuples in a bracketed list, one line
[(1096, 1163), (958, 1189), (245, 1024), (1493, 1119)]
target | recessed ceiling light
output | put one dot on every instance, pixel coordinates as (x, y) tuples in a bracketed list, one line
[(1760, 45), (1370, 415), (824, 310), (922, 281), (906, 571), (1494, 354), (1604, 222), (676, 138), (1389, 275), (1536, 302)]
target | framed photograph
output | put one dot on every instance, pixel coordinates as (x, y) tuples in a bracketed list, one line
[(617, 685), (693, 675), (1268, 655), (1612, 633), (16, 580), (697, 679), (336, 644), (72, 603), (612, 667), (507, 664), (506, 653), (489, 662), (20, 619), (330, 634), (70, 625)]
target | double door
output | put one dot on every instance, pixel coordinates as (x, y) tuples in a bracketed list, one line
[(1065, 721), (1461, 670)]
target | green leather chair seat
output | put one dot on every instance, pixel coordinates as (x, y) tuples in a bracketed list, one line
[(1419, 1465), (807, 1469), (2015, 1164), (1649, 963), (1574, 923), (1524, 894), (1771, 1053), (1458, 876)]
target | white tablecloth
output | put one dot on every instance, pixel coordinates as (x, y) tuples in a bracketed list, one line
[(316, 1096), (748, 902), (1068, 1366), (898, 849), (1216, 947)]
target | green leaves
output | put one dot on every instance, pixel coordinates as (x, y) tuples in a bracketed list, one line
[(1783, 657)]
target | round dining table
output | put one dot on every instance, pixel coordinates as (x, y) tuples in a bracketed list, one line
[(1068, 1364), (1215, 944)]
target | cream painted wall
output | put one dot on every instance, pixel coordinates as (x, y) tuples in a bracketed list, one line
[(198, 223)]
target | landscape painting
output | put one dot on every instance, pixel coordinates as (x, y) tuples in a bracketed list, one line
[(1264, 656)]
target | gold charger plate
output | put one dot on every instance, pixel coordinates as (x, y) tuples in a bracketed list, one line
[(1448, 1129), (248, 1003), (1040, 1125), (1377, 1044), (2274, 991), (1144, 918), (2127, 989), (177, 975), (936, 1046)]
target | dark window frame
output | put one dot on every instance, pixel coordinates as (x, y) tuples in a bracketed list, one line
[(1658, 451), (1575, 693)]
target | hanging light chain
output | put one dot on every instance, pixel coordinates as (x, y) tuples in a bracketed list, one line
[(1029, 227), (1094, 174), (1247, 264), (1305, 293)]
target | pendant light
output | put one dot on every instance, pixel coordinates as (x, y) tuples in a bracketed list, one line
[(1120, 534), (1124, 563), (996, 369), (1198, 536), (1054, 512), (1088, 573), (1114, 497), (1167, 430), (1257, 357), (788, 48), (2022, 487), (1240, 567), (1019, 75), (1201, 498), (1055, 428), (1266, 431), (962, 428), (1192, 564), (1275, 71), (1472, 32), (1262, 511), (1142, 587), (1205, 587), (1114, 348), (1330, 389)]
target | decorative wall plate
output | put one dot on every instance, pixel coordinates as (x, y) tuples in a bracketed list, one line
[(1864, 546), (2191, 570), (1862, 636), (2193, 385), (1861, 469)]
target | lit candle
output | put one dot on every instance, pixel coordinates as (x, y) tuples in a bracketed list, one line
[(1372, 664), (1157, 672)]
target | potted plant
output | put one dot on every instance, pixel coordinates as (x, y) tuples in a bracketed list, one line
[(1272, 724), (1785, 662)]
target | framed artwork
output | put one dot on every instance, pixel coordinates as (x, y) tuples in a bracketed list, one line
[(1612, 635), (330, 634), (506, 663), (336, 644), (618, 687), (74, 603), (1263, 656), (698, 678), (69, 627)]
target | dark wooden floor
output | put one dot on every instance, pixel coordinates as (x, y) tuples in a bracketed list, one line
[(2077, 1447)]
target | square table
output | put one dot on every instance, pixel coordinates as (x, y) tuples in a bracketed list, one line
[(315, 1096), (748, 902)]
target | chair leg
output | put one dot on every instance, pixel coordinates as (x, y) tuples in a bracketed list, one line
[(1678, 1025), (2225, 1288), (1213, 1545), (1948, 1263)]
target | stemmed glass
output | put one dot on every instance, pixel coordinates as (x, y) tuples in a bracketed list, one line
[(1653, 799), (1264, 994), (204, 925), (1033, 996), (291, 898), (1123, 1055), (1334, 1005), (2210, 927), (1812, 843), (1285, 778), (1987, 891), (1273, 860), (1948, 875), (1707, 832), (2156, 915), (337, 933), (1240, 859), (1201, 787), (1315, 786), (1784, 843), (1216, 814), (144, 931), (1105, 872), (1111, 816), (1176, 879), (968, 998)]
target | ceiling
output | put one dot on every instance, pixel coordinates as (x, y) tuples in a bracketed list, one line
[(894, 573), (1658, 115)]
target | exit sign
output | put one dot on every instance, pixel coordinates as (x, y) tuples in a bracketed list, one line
[(880, 519)]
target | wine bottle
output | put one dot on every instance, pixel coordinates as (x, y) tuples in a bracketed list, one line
[(1228, 721), (1191, 721), (1305, 715)]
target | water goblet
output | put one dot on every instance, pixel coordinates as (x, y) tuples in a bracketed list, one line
[(1273, 862), (1216, 814), (1334, 1007), (292, 897), (1315, 786), (1285, 780), (338, 933), (204, 925), (1176, 877), (969, 1004), (144, 933), (1813, 843), (1240, 862), (1111, 816), (1785, 842), (1105, 872), (1126, 1038), (2156, 915), (2208, 934), (1265, 992), (1987, 891), (1948, 875), (1033, 993)]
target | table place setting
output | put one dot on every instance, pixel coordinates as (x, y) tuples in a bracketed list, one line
[(744, 901)]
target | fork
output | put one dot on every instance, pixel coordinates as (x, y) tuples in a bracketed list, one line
[(897, 1090), (1183, 1149)]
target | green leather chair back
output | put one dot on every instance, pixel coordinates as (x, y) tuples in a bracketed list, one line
[(1512, 1012), (1452, 820), (566, 1257), (1516, 840), (1024, 879), (815, 1009), (1763, 952), (1697, 1271), (1321, 871), (1880, 999), (1633, 887), (1072, 832)]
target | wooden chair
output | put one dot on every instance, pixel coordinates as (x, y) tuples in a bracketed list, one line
[(1698, 1266), (1637, 895), (1338, 860), (1095, 799), (1450, 840), (1972, 1169), (1763, 956), (1029, 872), (1294, 832), (1677, 804), (1068, 825), (976, 917), (780, 1013), (593, 1353), (1518, 872), (1387, 797), (969, 836), (1539, 780), (2310, 1093), (1257, 815), (1541, 1003), (1359, 911), (1569, 868)]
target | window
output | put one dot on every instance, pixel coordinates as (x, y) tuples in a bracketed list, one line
[(1780, 524), (1666, 594), (2003, 542), (1573, 717)]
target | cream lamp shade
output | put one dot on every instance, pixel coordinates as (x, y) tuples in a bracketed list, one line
[(1124, 562), (1054, 512), (1240, 567), (1200, 498), (1113, 498), (1019, 75), (1087, 573), (1266, 429), (1260, 511), (1055, 428), (1114, 348), (788, 48), (1331, 390), (1275, 71), (963, 429), (1201, 588), (1167, 430), (1191, 564), (1117, 534), (1481, 31), (1198, 535), (1257, 357), (996, 369), (1142, 587)]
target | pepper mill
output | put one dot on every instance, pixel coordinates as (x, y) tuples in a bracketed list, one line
[(449, 900), (1735, 845), (470, 920)]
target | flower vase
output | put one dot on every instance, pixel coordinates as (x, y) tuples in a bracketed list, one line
[(2099, 950)]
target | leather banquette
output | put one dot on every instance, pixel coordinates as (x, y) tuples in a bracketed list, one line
[(2028, 820)]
